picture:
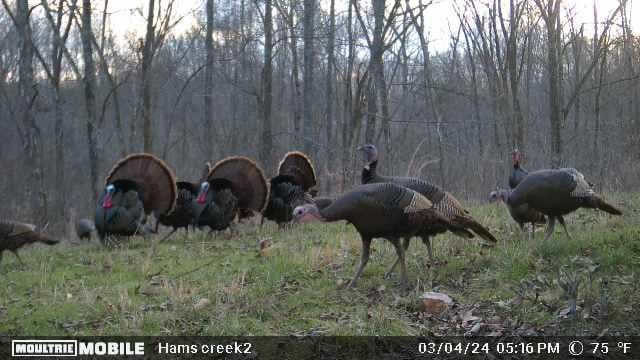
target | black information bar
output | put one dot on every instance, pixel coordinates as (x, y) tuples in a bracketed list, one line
[(320, 347)]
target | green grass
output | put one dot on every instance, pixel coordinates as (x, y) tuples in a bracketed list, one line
[(145, 288)]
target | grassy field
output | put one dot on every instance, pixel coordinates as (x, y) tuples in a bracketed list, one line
[(223, 285)]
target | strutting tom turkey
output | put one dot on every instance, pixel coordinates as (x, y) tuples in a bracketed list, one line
[(183, 214), (557, 192), (137, 186), (460, 222), (290, 188), (14, 235), (379, 210), (235, 184)]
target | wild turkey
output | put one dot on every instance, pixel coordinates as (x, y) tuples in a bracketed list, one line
[(184, 214), (462, 223), (84, 229), (322, 202), (518, 173), (138, 185), (522, 214), (383, 210), (557, 192), (14, 235), (291, 187), (235, 184)]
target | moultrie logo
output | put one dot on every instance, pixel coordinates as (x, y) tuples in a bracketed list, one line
[(44, 348), (59, 348)]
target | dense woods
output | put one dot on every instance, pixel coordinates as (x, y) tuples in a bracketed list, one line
[(259, 78)]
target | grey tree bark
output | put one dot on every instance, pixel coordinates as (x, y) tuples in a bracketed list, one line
[(86, 33), (266, 96), (208, 85), (309, 54), (147, 58)]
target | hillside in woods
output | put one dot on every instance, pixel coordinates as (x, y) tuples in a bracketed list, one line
[(198, 284)]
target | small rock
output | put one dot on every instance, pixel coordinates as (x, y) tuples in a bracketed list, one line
[(265, 247), (201, 304), (436, 303), (474, 329)]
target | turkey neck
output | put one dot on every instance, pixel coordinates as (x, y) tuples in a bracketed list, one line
[(370, 174)]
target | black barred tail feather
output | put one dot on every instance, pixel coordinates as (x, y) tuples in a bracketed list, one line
[(470, 224), (14, 235), (463, 233), (45, 239), (599, 203)]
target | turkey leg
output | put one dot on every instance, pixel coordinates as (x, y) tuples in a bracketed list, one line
[(427, 241), (405, 244), (364, 258), (15, 252), (403, 269), (550, 226), (564, 226), (169, 234)]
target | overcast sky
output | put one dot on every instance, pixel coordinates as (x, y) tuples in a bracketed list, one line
[(440, 16)]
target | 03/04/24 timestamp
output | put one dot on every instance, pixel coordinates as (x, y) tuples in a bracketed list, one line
[(470, 348), (574, 348)]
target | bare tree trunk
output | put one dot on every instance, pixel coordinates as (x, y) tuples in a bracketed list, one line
[(430, 99), (267, 74), (347, 118), (372, 112), (30, 133), (147, 58), (295, 75), (550, 14), (208, 85), (309, 29), (477, 118), (89, 95), (600, 73), (377, 69), (330, 159)]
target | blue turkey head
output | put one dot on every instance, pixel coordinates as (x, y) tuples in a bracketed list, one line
[(369, 152)]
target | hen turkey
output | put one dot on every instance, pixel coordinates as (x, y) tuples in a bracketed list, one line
[(379, 210), (557, 192), (460, 222), (522, 214), (14, 235)]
